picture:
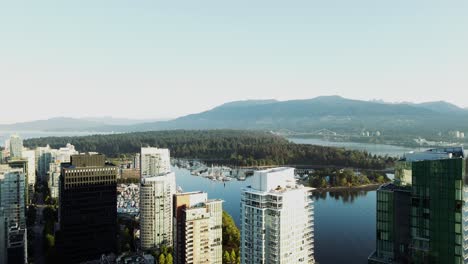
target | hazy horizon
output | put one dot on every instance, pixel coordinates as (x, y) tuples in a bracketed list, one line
[(154, 59), (154, 119)]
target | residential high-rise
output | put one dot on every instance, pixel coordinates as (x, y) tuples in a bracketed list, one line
[(156, 197), (87, 209), (16, 146), (54, 179), (30, 157), (44, 156), (64, 154), (197, 229), (136, 161), (47, 155), (425, 222), (12, 215), (154, 161), (276, 219)]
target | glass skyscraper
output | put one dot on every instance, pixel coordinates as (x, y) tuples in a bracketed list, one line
[(13, 244), (438, 205), (427, 221)]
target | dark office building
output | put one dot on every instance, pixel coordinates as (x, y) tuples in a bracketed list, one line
[(87, 209), (393, 225), (439, 212), (425, 221)]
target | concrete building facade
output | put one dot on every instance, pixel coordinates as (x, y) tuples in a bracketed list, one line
[(277, 219), (16, 146), (154, 161), (156, 199), (197, 229)]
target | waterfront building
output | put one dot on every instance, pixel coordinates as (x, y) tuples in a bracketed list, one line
[(13, 236), (393, 224), (87, 208), (16, 146), (439, 210), (276, 219), (426, 221), (154, 161), (156, 199), (197, 229)]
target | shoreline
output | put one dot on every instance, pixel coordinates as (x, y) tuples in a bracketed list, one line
[(385, 143), (370, 187)]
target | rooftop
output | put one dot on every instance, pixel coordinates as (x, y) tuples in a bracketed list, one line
[(435, 154), (394, 187)]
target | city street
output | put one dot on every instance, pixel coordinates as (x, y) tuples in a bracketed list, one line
[(38, 228)]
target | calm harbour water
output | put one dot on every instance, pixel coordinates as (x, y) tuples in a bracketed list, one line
[(377, 149), (344, 220)]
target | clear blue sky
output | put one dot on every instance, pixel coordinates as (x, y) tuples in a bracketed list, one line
[(147, 59)]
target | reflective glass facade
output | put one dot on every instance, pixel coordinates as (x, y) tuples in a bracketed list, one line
[(437, 208)]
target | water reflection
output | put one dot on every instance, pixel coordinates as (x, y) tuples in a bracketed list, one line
[(345, 195)]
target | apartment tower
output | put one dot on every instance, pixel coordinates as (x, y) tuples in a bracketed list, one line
[(154, 161), (156, 198), (277, 219), (197, 229)]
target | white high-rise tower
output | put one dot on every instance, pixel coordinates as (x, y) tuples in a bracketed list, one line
[(30, 156), (277, 219), (16, 146), (156, 199), (157, 188), (154, 161)]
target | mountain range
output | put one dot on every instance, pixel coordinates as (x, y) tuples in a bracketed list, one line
[(326, 112)]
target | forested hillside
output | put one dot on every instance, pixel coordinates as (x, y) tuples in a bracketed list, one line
[(230, 147)]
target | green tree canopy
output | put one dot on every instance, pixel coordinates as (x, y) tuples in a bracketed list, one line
[(229, 147), (169, 259), (162, 259)]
